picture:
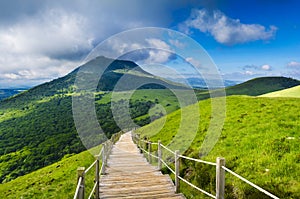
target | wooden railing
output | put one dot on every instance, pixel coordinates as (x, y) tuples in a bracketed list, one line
[(146, 147), (99, 158)]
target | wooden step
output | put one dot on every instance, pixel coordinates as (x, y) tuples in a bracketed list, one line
[(129, 175)]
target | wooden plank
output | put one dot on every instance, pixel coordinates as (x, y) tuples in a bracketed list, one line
[(129, 175)]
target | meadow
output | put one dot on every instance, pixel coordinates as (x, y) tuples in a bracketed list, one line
[(259, 140), (290, 92), (57, 180)]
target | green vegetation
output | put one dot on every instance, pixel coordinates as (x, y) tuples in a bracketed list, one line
[(260, 141), (37, 127), (43, 131), (262, 85), (290, 92), (55, 181), (5, 93)]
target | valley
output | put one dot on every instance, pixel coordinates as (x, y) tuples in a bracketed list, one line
[(37, 129)]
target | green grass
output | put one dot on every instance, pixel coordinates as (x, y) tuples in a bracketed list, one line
[(54, 181), (290, 92), (259, 140), (58, 180), (262, 85), (163, 96)]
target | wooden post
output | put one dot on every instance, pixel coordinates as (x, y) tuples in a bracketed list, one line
[(220, 178), (149, 152), (159, 153), (80, 173), (144, 147), (97, 177), (138, 141), (177, 165)]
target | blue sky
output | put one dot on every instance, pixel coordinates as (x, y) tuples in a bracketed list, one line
[(44, 40)]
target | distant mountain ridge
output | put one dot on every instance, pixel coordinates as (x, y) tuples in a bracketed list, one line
[(5, 93), (262, 85)]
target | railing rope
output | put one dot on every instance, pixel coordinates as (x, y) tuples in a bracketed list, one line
[(197, 160), (168, 149), (219, 164), (81, 171), (250, 183)]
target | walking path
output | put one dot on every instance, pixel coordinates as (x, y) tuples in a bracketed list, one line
[(129, 175)]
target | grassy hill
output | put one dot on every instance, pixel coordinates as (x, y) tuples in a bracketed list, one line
[(290, 92), (54, 181), (41, 132), (37, 127), (259, 140), (262, 85)]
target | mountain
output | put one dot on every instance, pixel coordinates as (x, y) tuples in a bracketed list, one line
[(111, 75), (290, 92), (200, 83), (5, 93), (37, 126), (262, 85), (254, 87)]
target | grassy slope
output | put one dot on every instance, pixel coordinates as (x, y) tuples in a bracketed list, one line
[(164, 97), (260, 141), (25, 147), (54, 181), (17, 109), (290, 92), (262, 85)]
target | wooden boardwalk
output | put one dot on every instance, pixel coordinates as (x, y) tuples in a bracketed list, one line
[(129, 175)]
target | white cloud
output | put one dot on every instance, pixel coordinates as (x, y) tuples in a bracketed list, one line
[(293, 70), (160, 52), (226, 30), (139, 50), (11, 76), (194, 62), (54, 33), (242, 76), (177, 43), (294, 64), (248, 72), (39, 49), (47, 38), (266, 67)]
